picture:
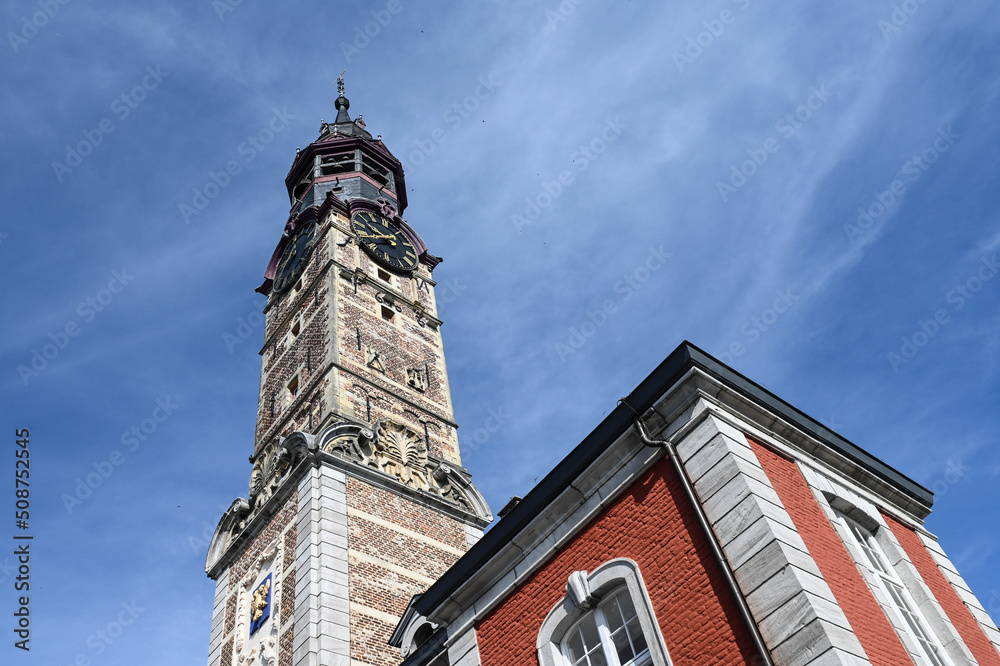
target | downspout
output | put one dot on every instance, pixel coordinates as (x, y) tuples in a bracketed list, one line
[(713, 542)]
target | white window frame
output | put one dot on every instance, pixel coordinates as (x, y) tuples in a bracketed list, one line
[(908, 618), (606, 641), (584, 593)]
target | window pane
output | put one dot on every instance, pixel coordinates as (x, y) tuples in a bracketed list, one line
[(635, 632), (575, 647), (612, 614), (610, 635), (628, 610), (590, 636), (622, 646)]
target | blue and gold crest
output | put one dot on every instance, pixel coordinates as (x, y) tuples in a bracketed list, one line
[(260, 605)]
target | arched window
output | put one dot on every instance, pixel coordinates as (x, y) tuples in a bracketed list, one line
[(605, 619), (609, 635)]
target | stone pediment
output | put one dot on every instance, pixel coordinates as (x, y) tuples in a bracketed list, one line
[(401, 453), (395, 451)]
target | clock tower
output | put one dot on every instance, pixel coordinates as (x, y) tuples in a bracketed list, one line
[(358, 499)]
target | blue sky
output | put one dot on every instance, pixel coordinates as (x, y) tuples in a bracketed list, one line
[(730, 144)]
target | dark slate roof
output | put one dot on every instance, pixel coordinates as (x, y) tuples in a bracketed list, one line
[(682, 359), (343, 125)]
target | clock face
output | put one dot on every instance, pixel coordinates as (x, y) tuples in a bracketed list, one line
[(384, 243), (294, 259)]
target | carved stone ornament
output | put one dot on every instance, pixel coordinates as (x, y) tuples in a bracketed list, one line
[(230, 525), (578, 590), (416, 378), (271, 470), (398, 451), (259, 647), (386, 208), (268, 472), (401, 453), (373, 359), (348, 440)]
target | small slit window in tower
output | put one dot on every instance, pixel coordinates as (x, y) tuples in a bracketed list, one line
[(293, 389), (297, 288), (387, 313), (296, 328), (384, 276)]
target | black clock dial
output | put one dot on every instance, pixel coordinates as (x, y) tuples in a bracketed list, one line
[(294, 259), (384, 242)]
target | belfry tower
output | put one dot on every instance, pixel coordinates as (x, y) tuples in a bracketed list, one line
[(358, 499)]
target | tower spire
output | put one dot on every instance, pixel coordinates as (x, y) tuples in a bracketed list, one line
[(342, 102)]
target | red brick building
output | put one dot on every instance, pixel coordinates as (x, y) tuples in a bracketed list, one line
[(705, 521)]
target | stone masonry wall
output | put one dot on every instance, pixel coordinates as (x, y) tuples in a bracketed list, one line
[(396, 548), (279, 530), (286, 355), (867, 619), (402, 343), (958, 612)]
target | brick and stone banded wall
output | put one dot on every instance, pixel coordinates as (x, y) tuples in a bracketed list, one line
[(653, 524), (396, 548), (283, 304), (391, 507), (866, 617), (442, 438), (968, 628), (285, 647), (286, 355), (401, 344), (281, 528), (227, 653)]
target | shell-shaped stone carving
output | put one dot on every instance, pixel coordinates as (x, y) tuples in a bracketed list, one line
[(402, 453), (402, 444)]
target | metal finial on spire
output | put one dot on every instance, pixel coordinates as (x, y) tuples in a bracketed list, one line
[(340, 84)]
